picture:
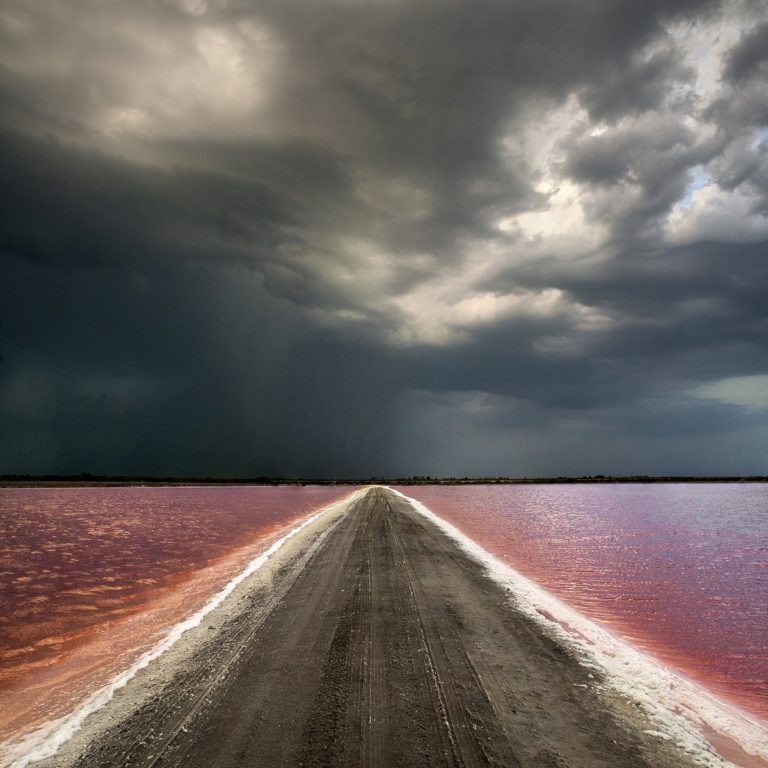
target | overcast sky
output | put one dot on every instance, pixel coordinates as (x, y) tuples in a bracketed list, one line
[(384, 237)]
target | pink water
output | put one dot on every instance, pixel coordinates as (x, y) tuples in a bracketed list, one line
[(679, 570), (92, 577)]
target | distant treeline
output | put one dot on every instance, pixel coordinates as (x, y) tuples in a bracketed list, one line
[(89, 479)]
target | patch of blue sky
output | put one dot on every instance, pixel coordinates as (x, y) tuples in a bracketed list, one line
[(698, 180), (762, 135)]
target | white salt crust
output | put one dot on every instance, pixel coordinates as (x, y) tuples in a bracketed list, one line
[(680, 710), (45, 741)]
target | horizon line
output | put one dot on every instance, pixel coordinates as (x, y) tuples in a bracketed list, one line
[(87, 478)]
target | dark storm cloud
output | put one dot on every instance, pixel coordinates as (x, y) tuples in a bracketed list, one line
[(290, 238), (191, 372), (635, 88), (651, 161), (744, 71), (503, 437), (623, 155), (684, 315), (430, 89), (750, 57), (68, 207)]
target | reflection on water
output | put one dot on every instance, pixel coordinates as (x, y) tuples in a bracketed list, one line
[(92, 577), (680, 570)]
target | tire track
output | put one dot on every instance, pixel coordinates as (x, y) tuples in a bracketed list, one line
[(451, 676), (380, 644), (230, 658)]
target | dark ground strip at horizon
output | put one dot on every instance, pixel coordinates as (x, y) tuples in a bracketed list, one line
[(380, 645)]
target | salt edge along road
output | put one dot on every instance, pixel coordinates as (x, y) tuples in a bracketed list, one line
[(371, 639)]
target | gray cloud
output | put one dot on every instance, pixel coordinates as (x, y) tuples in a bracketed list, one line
[(750, 56), (641, 85), (278, 237), (69, 207)]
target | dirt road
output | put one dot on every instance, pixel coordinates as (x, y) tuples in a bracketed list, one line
[(381, 644)]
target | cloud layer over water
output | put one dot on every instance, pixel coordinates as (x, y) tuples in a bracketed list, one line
[(381, 238)]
